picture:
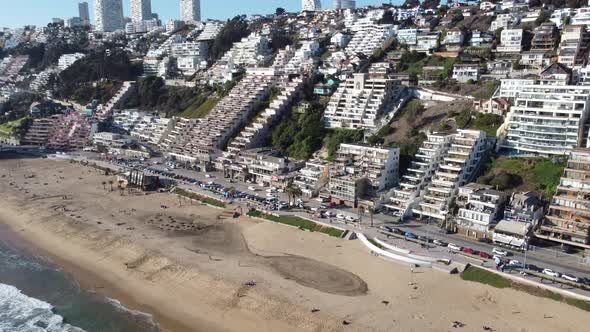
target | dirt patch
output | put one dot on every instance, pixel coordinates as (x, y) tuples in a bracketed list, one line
[(321, 276)]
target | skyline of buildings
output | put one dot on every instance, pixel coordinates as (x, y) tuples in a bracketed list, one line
[(108, 15), (190, 10), (141, 10)]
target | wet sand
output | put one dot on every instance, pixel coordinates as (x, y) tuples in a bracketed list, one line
[(190, 266)]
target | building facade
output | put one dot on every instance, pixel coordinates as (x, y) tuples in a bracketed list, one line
[(141, 10), (190, 10), (108, 15), (311, 5), (84, 13)]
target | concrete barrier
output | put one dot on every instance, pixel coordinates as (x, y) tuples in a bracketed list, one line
[(393, 248), (391, 255)]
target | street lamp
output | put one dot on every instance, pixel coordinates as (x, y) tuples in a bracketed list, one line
[(526, 250)]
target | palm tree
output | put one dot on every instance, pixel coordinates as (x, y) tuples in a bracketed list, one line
[(371, 211), (104, 185), (293, 192), (111, 184)]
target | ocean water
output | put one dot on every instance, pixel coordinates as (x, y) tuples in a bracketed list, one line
[(36, 295)]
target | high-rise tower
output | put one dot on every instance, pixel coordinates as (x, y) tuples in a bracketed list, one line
[(190, 10), (141, 10), (311, 5), (108, 15)]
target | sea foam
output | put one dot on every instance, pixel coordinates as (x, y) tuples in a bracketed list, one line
[(21, 313)]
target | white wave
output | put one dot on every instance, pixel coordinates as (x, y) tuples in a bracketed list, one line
[(21, 313), (145, 316)]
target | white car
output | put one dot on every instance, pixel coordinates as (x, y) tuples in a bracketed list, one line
[(570, 277), (454, 247), (208, 176), (500, 252), (349, 218), (515, 263), (340, 216), (438, 243), (551, 273), (252, 188), (269, 195)]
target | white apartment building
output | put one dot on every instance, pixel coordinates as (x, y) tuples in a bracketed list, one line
[(510, 41), (212, 132), (369, 39), (418, 174), (546, 119), (174, 25), (408, 36), (364, 171), (480, 38), (311, 5), (312, 177), (559, 15), (190, 10), (66, 60), (360, 101), (340, 40), (573, 49), (535, 59), (108, 15), (141, 10), (454, 37), (427, 42), (253, 50), (466, 71), (505, 21), (461, 162), (110, 140), (210, 31), (482, 209), (153, 130)]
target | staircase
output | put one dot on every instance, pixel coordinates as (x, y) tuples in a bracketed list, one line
[(106, 110)]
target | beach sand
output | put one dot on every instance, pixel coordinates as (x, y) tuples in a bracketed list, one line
[(188, 267)]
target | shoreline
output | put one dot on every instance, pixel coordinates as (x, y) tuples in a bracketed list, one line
[(91, 281)]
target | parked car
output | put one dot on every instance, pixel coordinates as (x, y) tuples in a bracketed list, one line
[(533, 267), (410, 235), (398, 231), (424, 238), (483, 254), (349, 218), (551, 273), (468, 251), (252, 188), (515, 263), (570, 277), (454, 247), (500, 252), (340, 216), (440, 243)]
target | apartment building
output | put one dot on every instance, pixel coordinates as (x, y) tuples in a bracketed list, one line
[(573, 49), (210, 31), (110, 140), (568, 217), (261, 166), (190, 10), (409, 36), (505, 21), (108, 15), (178, 136), (418, 174), (510, 41), (545, 119), (359, 102), (362, 171), (313, 177), (370, 38), (480, 38), (232, 113), (66, 60), (311, 5), (250, 51), (545, 38), (153, 132), (40, 130), (465, 72), (535, 59), (256, 133), (454, 39), (427, 42), (141, 10), (461, 163), (483, 208), (72, 132)]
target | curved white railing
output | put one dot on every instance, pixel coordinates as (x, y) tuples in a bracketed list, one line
[(391, 255)]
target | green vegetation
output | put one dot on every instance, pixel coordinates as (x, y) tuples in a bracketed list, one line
[(15, 128), (375, 243), (339, 136), (202, 110), (487, 90), (489, 278), (524, 174), (485, 277), (102, 91), (112, 64), (153, 94), (300, 135), (417, 67), (486, 122), (195, 196), (297, 222)]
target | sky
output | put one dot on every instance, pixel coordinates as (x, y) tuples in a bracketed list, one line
[(17, 13)]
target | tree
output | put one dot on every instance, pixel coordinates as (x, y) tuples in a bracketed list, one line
[(411, 3), (371, 211), (104, 185), (280, 11), (544, 16), (234, 30), (111, 184), (293, 192)]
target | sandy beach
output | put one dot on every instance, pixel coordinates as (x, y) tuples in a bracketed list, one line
[(188, 265)]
